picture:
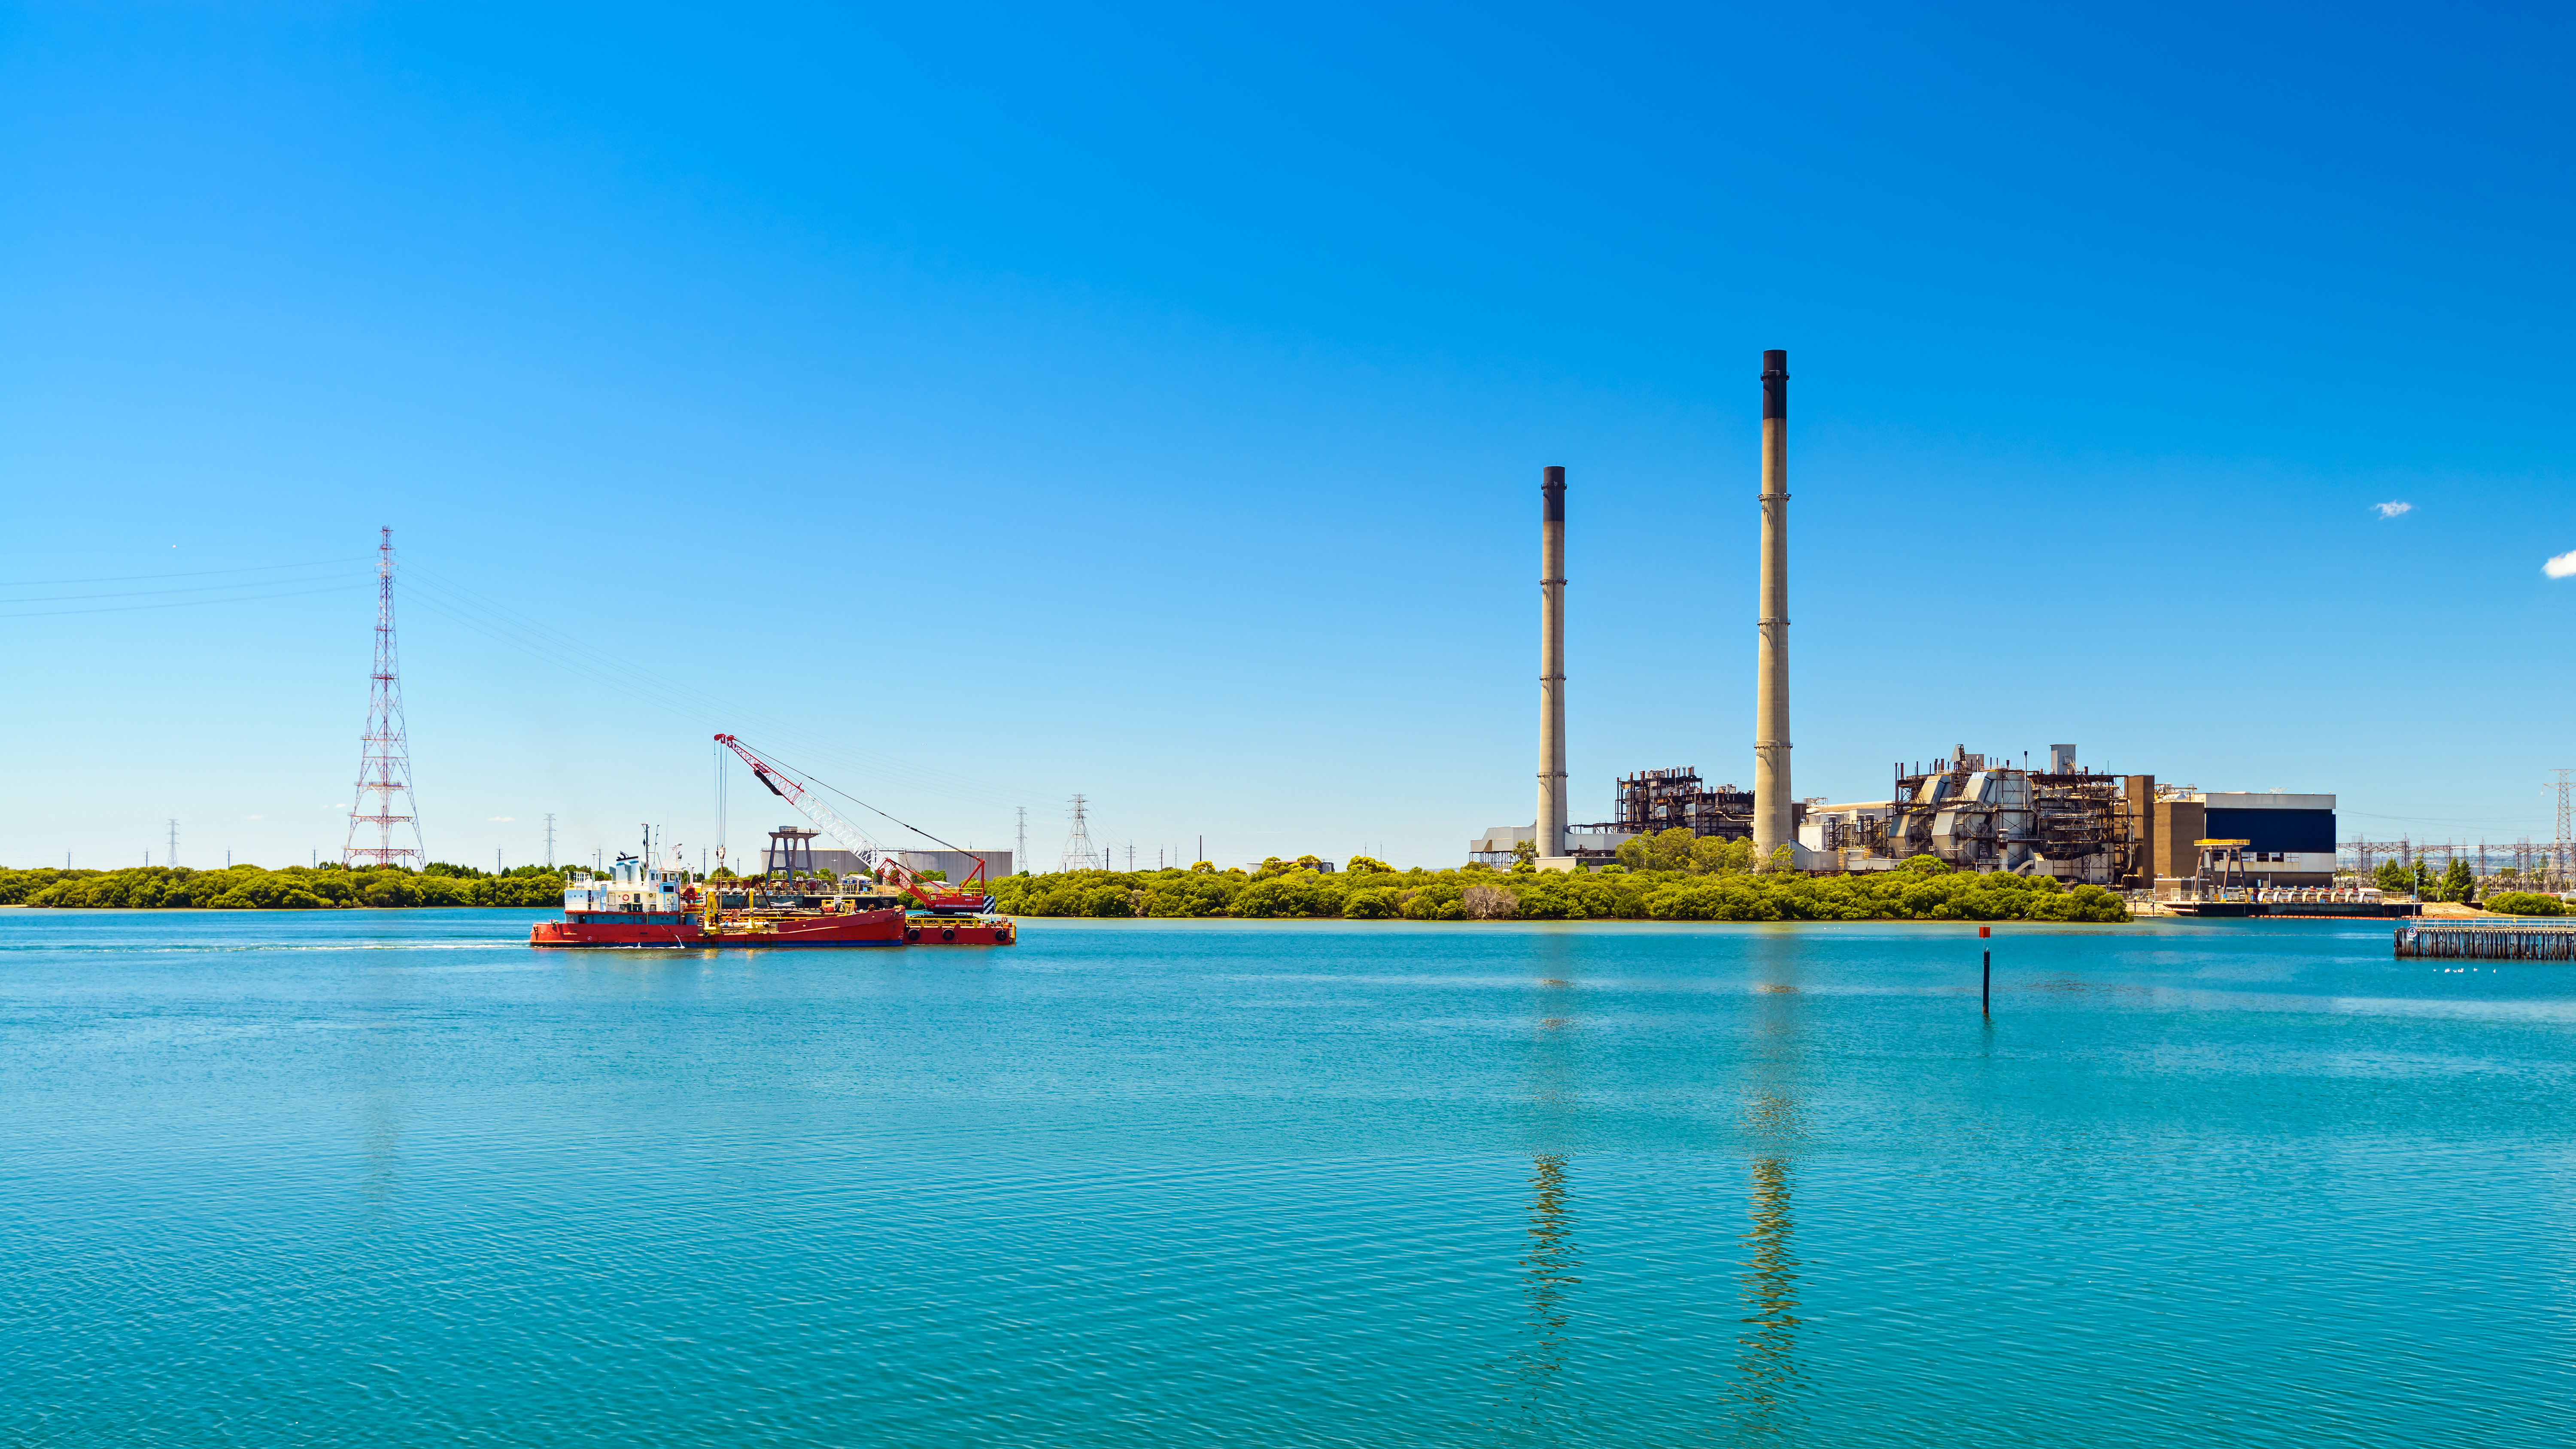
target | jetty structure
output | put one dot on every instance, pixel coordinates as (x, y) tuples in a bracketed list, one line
[(2515, 940)]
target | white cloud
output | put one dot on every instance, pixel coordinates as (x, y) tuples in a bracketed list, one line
[(343, 805), (2391, 510), (2561, 566), (251, 817), (500, 819)]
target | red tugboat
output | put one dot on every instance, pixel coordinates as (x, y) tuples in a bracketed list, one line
[(634, 905)]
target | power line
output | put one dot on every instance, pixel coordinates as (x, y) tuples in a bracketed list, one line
[(659, 690), (177, 603), (144, 593), (184, 574)]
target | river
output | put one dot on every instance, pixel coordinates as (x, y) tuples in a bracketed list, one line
[(391, 1178)]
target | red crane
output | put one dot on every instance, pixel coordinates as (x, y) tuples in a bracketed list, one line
[(966, 897)]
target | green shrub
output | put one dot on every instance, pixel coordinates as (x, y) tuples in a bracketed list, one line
[(1377, 903), (2525, 903)]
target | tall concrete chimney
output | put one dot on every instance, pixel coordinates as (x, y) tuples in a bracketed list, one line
[(1771, 816), (1551, 663)]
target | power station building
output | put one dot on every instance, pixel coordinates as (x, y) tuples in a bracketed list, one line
[(2289, 839)]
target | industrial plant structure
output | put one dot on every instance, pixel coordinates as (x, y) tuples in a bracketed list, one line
[(1651, 801), (2287, 840), (2065, 821)]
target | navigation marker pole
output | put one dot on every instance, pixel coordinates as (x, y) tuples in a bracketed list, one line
[(1986, 992)]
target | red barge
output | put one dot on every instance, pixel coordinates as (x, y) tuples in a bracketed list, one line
[(641, 905)]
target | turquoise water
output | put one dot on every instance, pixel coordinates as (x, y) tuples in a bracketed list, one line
[(392, 1178)]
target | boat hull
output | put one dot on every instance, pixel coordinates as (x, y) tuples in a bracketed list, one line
[(960, 931), (860, 928), (689, 932), (602, 930)]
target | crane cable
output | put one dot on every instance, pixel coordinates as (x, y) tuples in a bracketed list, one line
[(864, 805)]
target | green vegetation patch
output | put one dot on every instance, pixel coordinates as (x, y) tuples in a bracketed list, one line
[(247, 887), (1721, 889), (2525, 903)]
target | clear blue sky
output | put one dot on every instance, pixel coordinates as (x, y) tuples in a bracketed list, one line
[(981, 405)]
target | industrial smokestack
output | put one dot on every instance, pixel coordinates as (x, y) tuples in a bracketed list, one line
[(1551, 663), (1771, 817)]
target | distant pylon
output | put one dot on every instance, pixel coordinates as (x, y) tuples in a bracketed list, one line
[(1077, 843), (550, 842), (174, 841), (384, 761), (1020, 861), (2566, 846)]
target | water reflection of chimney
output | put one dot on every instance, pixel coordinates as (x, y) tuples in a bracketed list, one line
[(1549, 1264), (1766, 1348), (1766, 1344), (1549, 1271)]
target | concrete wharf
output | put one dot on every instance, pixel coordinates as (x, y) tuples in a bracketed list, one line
[(2487, 941)]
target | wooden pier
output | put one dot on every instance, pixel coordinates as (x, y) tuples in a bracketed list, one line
[(2484, 941)]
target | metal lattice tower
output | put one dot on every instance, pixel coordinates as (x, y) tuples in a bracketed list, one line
[(1020, 861), (550, 842), (384, 762), (1077, 842), (2565, 849), (174, 842)]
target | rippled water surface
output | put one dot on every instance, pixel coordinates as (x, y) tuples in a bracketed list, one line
[(392, 1178)]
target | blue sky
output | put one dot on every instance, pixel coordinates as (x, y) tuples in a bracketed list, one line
[(986, 405)]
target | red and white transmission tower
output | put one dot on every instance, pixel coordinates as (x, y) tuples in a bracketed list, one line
[(384, 765)]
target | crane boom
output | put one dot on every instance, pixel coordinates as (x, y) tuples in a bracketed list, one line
[(788, 788), (877, 861)]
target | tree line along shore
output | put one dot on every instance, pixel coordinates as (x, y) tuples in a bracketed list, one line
[(1709, 885), (249, 887)]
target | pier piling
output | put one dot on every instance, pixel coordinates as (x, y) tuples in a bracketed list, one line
[(2485, 942)]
